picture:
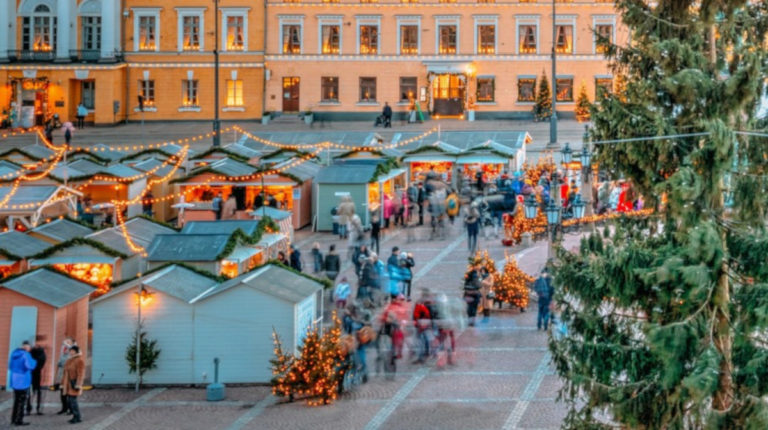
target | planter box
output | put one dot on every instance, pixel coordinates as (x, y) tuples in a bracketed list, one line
[(309, 118), (470, 115), (265, 118)]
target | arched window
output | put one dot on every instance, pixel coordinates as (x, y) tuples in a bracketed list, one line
[(39, 30)]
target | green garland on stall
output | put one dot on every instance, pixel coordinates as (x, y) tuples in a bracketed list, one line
[(202, 272), (78, 241), (224, 151), (49, 268), (156, 221), (384, 168), (240, 237), (327, 283)]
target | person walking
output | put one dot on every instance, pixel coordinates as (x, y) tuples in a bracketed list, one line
[(332, 263), (229, 208), (369, 279), (295, 258), (406, 265), (216, 205), (82, 112), (317, 258), (472, 221), (422, 320), (545, 291), (20, 367), (375, 230), (472, 286), (38, 354), (341, 294), (386, 113), (394, 273), (74, 374), (356, 234), (345, 211), (388, 210), (420, 199), (67, 135), (63, 354)]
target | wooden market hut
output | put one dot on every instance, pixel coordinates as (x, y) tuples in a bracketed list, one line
[(438, 157), (195, 318), (10, 170), (44, 306), (15, 250), (31, 204), (281, 217), (60, 230), (27, 154), (162, 210), (220, 254), (365, 181)]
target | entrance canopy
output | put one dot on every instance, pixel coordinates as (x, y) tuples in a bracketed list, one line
[(453, 67)]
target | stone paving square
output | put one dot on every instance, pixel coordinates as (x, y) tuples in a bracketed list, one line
[(179, 417), (449, 416), (439, 385), (498, 361), (298, 416), (543, 415), (91, 416), (549, 387)]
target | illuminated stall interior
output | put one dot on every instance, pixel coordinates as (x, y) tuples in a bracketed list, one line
[(438, 157), (97, 274)]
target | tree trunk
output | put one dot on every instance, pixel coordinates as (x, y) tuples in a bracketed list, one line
[(723, 397)]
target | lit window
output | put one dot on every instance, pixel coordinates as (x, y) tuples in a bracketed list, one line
[(527, 39), (329, 89), (369, 1), (409, 1), (331, 39), (39, 30), (367, 89), (485, 89), (369, 39), (191, 35), (189, 92), (564, 89), (603, 87), (564, 39), (526, 89), (91, 34), (291, 39), (234, 92), (604, 37), (408, 88), (147, 90), (447, 39), (486, 43), (147, 33), (447, 1), (409, 39), (235, 33)]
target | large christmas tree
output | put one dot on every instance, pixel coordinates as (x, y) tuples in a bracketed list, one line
[(667, 318)]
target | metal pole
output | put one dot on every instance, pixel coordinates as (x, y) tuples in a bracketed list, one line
[(553, 118), (138, 337), (216, 122)]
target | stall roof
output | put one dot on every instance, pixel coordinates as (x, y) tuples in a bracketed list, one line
[(187, 247), (346, 174), (174, 280), (351, 138), (464, 140), (220, 227), (86, 166), (242, 150), (27, 194), (32, 151), (230, 167), (49, 287), (275, 214), (66, 171), (141, 230), (12, 170), (152, 163), (21, 244), (304, 171), (104, 151), (242, 253), (62, 230), (273, 280)]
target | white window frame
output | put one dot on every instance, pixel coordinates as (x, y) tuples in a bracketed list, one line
[(604, 76), (440, 21), (603, 20), (569, 20), (291, 20), (234, 96), (330, 20), (227, 12), (487, 20), (409, 20), (573, 89), (139, 12), (372, 20), (521, 20), (181, 13)]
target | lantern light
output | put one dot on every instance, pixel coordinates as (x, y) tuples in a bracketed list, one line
[(585, 158), (531, 207), (553, 213), (578, 207), (567, 152), (145, 297)]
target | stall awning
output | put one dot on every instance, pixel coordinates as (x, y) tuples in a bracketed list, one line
[(242, 254), (446, 67), (391, 174), (482, 159), (427, 157), (85, 259)]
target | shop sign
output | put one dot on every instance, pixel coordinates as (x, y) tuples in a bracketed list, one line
[(341, 193)]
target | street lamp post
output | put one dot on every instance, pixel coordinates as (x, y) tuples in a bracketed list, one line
[(586, 171), (216, 122), (553, 118)]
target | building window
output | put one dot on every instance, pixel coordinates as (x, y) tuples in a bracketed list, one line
[(447, 1), (447, 39), (235, 33), (91, 33), (526, 89), (189, 92), (331, 39), (291, 39), (369, 39), (147, 91), (88, 94), (527, 39), (564, 89), (486, 43), (329, 89), (409, 39), (603, 87), (191, 34), (604, 37), (408, 88), (234, 92), (368, 89), (39, 30), (147, 36), (564, 39), (409, 1), (485, 89)]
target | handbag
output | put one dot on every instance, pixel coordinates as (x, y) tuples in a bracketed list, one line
[(73, 384)]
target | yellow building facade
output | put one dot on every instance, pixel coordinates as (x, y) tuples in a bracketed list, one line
[(113, 51), (344, 59)]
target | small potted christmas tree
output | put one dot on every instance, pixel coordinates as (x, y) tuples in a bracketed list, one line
[(542, 110), (583, 105)]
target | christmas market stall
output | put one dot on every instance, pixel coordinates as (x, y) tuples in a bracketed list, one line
[(194, 317), (438, 157), (46, 307), (15, 250), (366, 182), (30, 204), (282, 218), (28, 154), (491, 154), (290, 190), (60, 230), (157, 168)]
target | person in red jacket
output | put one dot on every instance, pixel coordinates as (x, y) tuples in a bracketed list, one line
[(423, 322)]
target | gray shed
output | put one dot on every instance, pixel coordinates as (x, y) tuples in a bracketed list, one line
[(60, 230), (195, 319), (15, 249), (210, 252)]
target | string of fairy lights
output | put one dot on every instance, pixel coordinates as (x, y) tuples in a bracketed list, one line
[(59, 153), (334, 145)]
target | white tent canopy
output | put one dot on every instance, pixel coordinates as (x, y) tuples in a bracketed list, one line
[(31, 203)]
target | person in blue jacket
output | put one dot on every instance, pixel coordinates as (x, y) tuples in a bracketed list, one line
[(20, 366)]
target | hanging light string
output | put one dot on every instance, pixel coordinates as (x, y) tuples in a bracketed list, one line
[(19, 132), (173, 158), (141, 147), (334, 145), (34, 166), (60, 151)]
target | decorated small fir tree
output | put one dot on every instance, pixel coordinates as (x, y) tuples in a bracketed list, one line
[(511, 285), (583, 105), (148, 355), (542, 110)]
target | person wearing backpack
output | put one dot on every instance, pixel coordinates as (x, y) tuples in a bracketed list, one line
[(545, 291)]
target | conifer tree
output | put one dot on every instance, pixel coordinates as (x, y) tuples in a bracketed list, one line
[(667, 316), (148, 355), (543, 108), (583, 105), (511, 285)]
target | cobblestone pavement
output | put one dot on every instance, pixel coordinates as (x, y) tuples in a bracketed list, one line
[(502, 378)]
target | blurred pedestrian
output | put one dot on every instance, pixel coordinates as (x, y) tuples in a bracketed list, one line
[(295, 258), (407, 263), (82, 112), (341, 293), (217, 204), (544, 291), (375, 230), (472, 222), (332, 263), (472, 286), (38, 354), (63, 355), (317, 258), (345, 211), (74, 374), (20, 368), (422, 320)]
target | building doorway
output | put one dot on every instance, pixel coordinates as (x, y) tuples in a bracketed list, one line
[(448, 91), (290, 94)]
